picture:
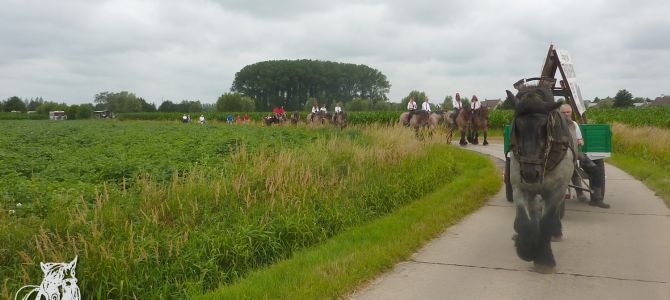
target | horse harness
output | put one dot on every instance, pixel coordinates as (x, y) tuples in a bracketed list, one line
[(556, 145)]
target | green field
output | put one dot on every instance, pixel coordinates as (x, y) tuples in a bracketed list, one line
[(163, 209)]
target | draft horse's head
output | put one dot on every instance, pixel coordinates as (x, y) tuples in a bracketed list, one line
[(529, 135)]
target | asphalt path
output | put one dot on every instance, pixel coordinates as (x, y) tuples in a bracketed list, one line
[(617, 253)]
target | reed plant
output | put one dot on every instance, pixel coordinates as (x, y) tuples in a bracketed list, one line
[(645, 153), (212, 224)]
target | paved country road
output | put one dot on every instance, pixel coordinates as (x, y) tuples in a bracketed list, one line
[(617, 253)]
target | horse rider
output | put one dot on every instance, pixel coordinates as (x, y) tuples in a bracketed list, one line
[(411, 107), (425, 106), (315, 110), (457, 104), (323, 110), (338, 110), (475, 105), (202, 119), (595, 176), (279, 113)]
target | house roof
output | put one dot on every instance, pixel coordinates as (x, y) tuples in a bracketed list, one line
[(491, 103), (664, 100)]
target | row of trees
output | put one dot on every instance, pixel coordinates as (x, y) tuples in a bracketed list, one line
[(38, 105)]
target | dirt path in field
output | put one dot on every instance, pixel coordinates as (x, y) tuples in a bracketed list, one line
[(617, 253)]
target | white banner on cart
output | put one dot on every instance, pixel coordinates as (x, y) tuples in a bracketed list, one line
[(569, 69)]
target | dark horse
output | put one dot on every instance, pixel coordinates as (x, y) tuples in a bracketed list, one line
[(540, 170), (295, 117), (269, 120), (479, 122), (462, 122), (340, 120)]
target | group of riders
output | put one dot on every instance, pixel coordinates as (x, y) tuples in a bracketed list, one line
[(279, 113), (457, 105), (323, 112)]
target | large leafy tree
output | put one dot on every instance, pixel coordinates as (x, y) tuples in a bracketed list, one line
[(122, 102), (623, 98), (15, 103), (234, 102), (85, 111), (291, 83)]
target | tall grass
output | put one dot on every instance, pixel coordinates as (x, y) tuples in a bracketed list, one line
[(645, 153), (212, 225)]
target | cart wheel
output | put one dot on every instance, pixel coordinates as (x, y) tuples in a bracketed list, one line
[(600, 163), (508, 186)]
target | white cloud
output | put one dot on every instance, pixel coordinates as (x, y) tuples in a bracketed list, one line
[(70, 50)]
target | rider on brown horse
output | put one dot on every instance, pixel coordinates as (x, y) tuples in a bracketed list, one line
[(456, 103), (411, 107)]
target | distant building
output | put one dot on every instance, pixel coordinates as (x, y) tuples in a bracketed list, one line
[(57, 115), (492, 103), (662, 100)]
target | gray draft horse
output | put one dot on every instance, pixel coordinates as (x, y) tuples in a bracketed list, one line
[(540, 170)]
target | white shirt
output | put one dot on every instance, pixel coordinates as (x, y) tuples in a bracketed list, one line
[(475, 105), (338, 109), (425, 106), (411, 105), (456, 104), (315, 110), (323, 109), (578, 132)]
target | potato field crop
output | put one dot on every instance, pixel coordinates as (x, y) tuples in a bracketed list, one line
[(157, 209)]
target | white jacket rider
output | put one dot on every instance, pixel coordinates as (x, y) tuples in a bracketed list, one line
[(456, 102), (411, 105), (475, 105), (425, 106)]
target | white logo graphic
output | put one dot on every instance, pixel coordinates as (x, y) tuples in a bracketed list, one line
[(59, 283)]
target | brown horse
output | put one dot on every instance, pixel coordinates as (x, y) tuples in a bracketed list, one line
[(404, 119), (462, 122), (480, 122), (295, 118), (340, 120), (424, 121), (319, 118)]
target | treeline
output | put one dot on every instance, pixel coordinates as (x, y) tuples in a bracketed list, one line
[(295, 84), (39, 109)]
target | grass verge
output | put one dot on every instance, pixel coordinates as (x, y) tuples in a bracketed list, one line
[(338, 266), (644, 152)]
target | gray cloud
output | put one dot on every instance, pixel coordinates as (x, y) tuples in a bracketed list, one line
[(70, 50)]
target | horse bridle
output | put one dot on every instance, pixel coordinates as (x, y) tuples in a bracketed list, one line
[(542, 160)]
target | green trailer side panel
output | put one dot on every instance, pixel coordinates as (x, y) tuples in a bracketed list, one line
[(597, 137), (506, 131)]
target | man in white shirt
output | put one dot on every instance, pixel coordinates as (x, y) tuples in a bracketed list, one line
[(338, 109), (595, 176), (323, 109), (202, 119), (425, 106)]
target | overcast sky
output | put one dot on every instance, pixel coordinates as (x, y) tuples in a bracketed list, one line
[(68, 51)]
